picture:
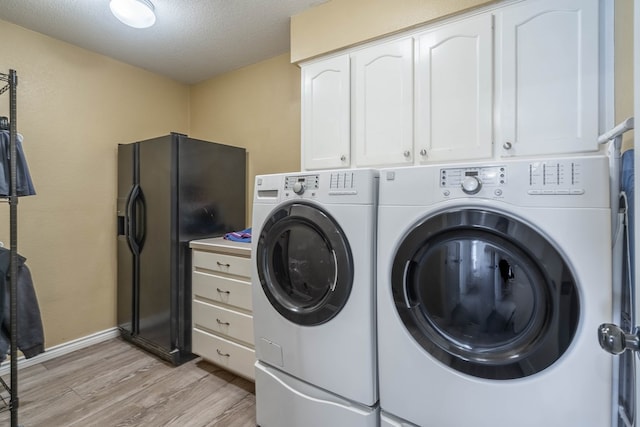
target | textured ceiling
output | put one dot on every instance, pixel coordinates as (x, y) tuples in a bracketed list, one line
[(192, 40)]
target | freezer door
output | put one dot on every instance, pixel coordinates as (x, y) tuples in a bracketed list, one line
[(156, 210), (126, 278)]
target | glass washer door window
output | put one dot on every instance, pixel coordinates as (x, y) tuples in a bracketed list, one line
[(304, 264), (485, 294)]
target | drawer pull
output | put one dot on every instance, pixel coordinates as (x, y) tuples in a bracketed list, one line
[(220, 322), (222, 354), (220, 291), (220, 264)]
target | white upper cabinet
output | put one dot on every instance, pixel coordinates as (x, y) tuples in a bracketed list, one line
[(519, 79), (547, 77), (454, 88), (326, 131), (382, 104)]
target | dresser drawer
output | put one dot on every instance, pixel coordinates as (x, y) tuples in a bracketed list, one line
[(238, 326), (217, 262), (225, 290), (229, 355)]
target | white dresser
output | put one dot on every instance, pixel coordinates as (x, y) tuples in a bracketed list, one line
[(222, 330)]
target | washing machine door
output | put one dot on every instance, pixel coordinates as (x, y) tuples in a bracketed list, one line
[(304, 264), (485, 294)]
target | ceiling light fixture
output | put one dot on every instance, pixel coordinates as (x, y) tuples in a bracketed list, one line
[(134, 13)]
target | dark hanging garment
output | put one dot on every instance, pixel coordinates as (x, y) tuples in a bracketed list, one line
[(30, 339), (24, 185), (627, 185)]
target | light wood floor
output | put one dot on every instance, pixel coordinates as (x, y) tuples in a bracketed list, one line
[(117, 384)]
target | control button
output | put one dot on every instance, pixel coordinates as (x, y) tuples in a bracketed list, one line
[(534, 192), (576, 191), (562, 192), (298, 187), (471, 184), (498, 192), (446, 193), (548, 192)]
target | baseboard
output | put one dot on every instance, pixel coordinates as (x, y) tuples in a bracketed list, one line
[(62, 349)]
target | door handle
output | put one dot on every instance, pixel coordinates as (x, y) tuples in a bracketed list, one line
[(131, 220), (615, 341), (141, 219)]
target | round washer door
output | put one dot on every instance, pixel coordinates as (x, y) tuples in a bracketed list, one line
[(304, 264), (485, 294)]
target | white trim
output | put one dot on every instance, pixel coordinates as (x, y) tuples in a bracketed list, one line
[(62, 349), (607, 66)]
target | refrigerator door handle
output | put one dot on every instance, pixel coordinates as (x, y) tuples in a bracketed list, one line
[(132, 215), (141, 219)]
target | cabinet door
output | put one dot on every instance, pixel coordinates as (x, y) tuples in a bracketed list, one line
[(454, 103), (547, 82), (382, 111), (325, 114)]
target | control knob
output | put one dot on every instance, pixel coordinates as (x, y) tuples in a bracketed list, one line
[(298, 187), (471, 184)]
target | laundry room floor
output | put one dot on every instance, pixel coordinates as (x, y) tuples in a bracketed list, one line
[(114, 383)]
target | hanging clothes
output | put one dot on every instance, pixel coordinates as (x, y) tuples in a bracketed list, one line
[(30, 339), (627, 185), (24, 185)]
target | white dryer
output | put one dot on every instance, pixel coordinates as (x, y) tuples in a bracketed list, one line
[(492, 281), (314, 298)]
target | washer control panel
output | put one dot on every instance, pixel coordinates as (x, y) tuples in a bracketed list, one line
[(472, 179), (301, 183)]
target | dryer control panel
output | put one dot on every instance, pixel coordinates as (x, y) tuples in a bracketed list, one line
[(555, 177), (533, 178), (579, 181)]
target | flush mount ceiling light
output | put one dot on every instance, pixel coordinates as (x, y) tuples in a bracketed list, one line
[(134, 13)]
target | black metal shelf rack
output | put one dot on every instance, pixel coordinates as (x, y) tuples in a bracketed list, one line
[(11, 80)]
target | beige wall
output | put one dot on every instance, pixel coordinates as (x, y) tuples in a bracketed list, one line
[(256, 107), (74, 107), (340, 23), (624, 65)]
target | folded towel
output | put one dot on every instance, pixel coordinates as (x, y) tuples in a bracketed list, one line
[(239, 236)]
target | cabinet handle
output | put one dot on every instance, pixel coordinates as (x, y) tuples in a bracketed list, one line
[(222, 354), (423, 152), (407, 153), (223, 265), (220, 291), (507, 145), (343, 158), (220, 322)]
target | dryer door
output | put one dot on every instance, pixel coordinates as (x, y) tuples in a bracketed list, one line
[(485, 294), (304, 264)]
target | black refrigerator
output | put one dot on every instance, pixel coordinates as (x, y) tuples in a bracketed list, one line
[(171, 190)]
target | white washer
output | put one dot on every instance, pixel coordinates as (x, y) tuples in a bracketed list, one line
[(492, 281), (314, 298)]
